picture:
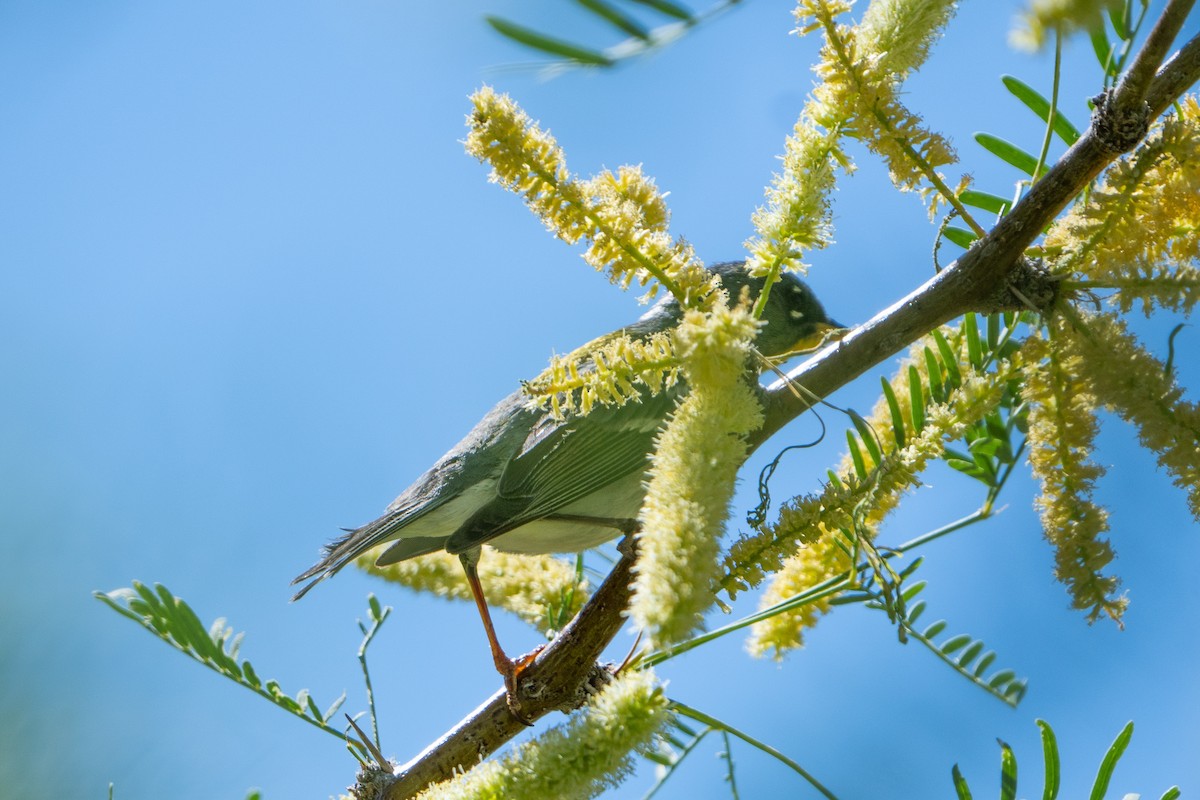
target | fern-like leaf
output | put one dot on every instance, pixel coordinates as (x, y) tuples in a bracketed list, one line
[(640, 40), (1039, 105), (172, 620), (1008, 768), (963, 653)]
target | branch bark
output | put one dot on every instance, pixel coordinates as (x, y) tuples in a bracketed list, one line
[(560, 678), (979, 281)]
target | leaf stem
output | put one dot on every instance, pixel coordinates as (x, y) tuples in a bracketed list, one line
[(716, 724), (1041, 162)]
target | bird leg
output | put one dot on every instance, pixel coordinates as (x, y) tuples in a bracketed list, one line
[(508, 668)]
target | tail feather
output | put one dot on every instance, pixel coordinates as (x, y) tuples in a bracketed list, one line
[(344, 549)]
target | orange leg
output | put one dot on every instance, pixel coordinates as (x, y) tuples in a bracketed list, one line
[(509, 669)]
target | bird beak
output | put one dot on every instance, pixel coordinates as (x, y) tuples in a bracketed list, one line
[(824, 333)]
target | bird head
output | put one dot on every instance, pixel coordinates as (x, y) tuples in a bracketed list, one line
[(793, 320)]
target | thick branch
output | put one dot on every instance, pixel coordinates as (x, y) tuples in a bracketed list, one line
[(977, 281)]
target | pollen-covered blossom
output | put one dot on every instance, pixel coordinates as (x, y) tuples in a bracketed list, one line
[(898, 33), (925, 364), (859, 84), (1062, 428), (854, 505), (612, 371), (624, 219), (631, 243), (1044, 16), (526, 160), (797, 216), (583, 757), (1136, 385), (1139, 231), (822, 557), (538, 589), (622, 216), (692, 478), (894, 36)]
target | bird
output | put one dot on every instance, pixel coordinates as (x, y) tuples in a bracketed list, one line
[(525, 480)]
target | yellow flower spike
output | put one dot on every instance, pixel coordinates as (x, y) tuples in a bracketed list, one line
[(860, 70), (622, 216), (1139, 231), (611, 372), (897, 34), (534, 587), (754, 556), (1136, 385), (1062, 428), (693, 474), (1044, 16), (854, 504), (579, 759)]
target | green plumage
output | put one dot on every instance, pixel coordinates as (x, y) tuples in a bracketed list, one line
[(524, 481)]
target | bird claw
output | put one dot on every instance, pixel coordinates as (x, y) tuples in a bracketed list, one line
[(512, 674)]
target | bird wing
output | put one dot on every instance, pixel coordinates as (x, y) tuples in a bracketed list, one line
[(576, 459), (440, 501), (566, 462)]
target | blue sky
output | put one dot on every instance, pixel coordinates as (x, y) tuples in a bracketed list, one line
[(251, 286)]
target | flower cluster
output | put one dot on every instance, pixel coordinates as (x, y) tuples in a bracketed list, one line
[(858, 98), (797, 216), (1062, 428), (538, 589), (1141, 390), (630, 241), (612, 370), (1045, 16), (897, 34), (1139, 231), (621, 216), (692, 476), (861, 69), (753, 556), (623, 219), (579, 759)]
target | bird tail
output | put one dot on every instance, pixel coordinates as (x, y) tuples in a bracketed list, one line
[(344, 549)]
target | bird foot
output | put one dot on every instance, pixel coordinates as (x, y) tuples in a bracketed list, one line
[(512, 674)]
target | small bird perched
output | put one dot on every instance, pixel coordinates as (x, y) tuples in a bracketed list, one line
[(525, 481)]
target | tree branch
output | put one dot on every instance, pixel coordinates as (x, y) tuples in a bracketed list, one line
[(1175, 77), (1134, 85), (980, 280), (560, 678)]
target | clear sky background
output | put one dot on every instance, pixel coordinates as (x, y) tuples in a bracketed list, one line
[(251, 286)]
